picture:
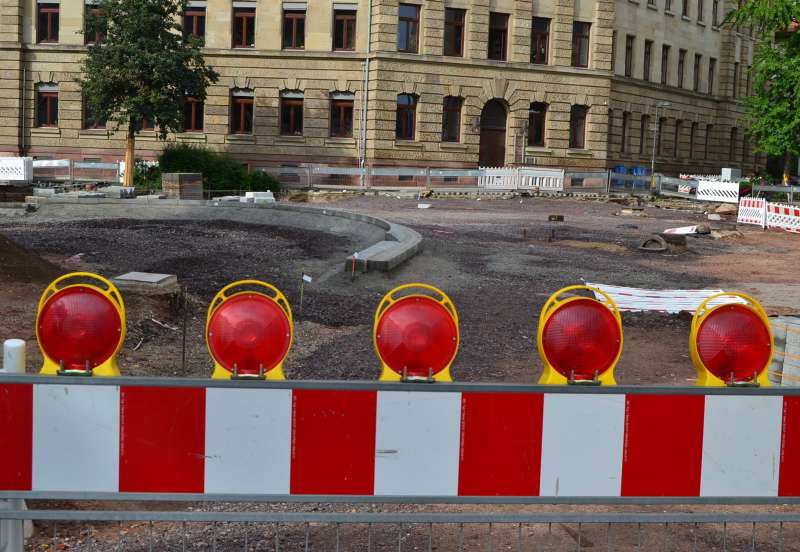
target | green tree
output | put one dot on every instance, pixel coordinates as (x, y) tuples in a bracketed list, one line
[(143, 69), (765, 16)]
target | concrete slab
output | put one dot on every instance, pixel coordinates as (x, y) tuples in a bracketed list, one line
[(147, 283)]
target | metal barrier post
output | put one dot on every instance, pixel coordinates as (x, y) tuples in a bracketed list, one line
[(12, 532)]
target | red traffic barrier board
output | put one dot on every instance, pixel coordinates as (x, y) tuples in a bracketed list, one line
[(372, 441)]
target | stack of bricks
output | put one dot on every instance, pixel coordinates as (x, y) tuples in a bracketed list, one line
[(182, 185)]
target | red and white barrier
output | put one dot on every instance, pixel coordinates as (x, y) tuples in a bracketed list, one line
[(269, 441), (783, 216), (752, 210)]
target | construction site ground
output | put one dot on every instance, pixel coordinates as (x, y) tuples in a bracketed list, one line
[(499, 260)]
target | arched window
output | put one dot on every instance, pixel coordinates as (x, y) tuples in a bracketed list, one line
[(577, 126), (406, 116), (451, 119), (537, 118)]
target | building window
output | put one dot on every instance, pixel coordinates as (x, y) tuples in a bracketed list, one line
[(498, 36), (626, 132), (451, 119), (685, 8), (715, 13), (700, 10), (47, 106), (613, 51), (697, 61), (712, 69), (651, 2), (643, 126), (681, 67), (408, 29), (747, 90), (406, 116), (745, 148), (344, 30), (244, 27), (648, 58), (193, 115), (292, 114), (735, 91), (93, 32), (146, 123), (47, 22), (194, 23), (676, 140), (693, 140), (662, 122), (242, 111), (294, 29), (667, 5), (630, 41), (540, 40), (89, 119), (580, 44), (454, 32), (341, 116), (537, 117), (577, 126), (707, 148), (665, 51), (732, 146)]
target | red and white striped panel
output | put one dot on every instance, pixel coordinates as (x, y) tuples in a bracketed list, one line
[(239, 441), (752, 210), (783, 216)]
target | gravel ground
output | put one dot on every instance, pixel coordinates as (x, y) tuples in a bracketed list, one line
[(498, 260)]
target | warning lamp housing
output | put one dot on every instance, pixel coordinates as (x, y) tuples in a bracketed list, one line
[(415, 334), (80, 326), (731, 342), (580, 338), (249, 331)]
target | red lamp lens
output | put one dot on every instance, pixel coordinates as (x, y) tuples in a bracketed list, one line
[(79, 324), (581, 338), (733, 339), (249, 330), (418, 335)]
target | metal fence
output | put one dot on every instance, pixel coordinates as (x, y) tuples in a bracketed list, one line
[(401, 531), (65, 171)]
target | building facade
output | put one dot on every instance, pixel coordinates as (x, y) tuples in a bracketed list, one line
[(579, 84)]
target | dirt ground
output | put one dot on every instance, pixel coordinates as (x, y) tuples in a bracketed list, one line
[(498, 260)]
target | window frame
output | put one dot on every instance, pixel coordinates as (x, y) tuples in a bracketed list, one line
[(698, 63), (295, 17), (338, 109), (644, 128), (410, 22), (92, 37), (676, 139), (51, 113), (732, 149), (630, 44), (292, 104), (681, 67), (401, 130), (707, 147), (625, 145), (241, 16), (700, 9), (240, 101), (196, 105), (52, 11), (537, 118), (666, 51), (578, 115), (456, 29), (348, 36), (647, 60), (579, 40), (539, 37), (498, 31), (195, 14), (735, 87), (450, 135), (85, 123), (712, 75)]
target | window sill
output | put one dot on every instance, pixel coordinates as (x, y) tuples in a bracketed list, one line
[(652, 7), (579, 152), (453, 146), (538, 150), (408, 144), (147, 135), (240, 138), (290, 140), (45, 131), (634, 2), (701, 23), (669, 13), (340, 141), (190, 136), (93, 133), (715, 28), (686, 18)]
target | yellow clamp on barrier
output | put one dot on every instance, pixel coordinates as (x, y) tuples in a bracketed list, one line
[(416, 336), (254, 347), (80, 327), (590, 355), (727, 363)]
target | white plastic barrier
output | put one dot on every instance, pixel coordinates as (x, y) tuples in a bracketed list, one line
[(752, 210), (721, 192), (783, 216), (16, 169), (521, 178)]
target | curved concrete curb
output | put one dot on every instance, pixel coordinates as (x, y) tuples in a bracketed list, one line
[(383, 244)]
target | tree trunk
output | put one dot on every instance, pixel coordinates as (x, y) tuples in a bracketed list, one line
[(130, 158), (787, 160)]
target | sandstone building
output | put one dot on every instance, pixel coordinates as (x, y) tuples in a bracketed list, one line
[(448, 83)]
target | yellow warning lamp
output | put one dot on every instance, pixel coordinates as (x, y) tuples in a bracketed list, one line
[(731, 342), (415, 334), (249, 331), (80, 326), (580, 338)]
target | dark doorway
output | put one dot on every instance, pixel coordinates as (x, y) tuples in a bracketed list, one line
[(493, 134)]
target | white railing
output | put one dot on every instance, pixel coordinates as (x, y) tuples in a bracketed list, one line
[(521, 178), (16, 169)]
